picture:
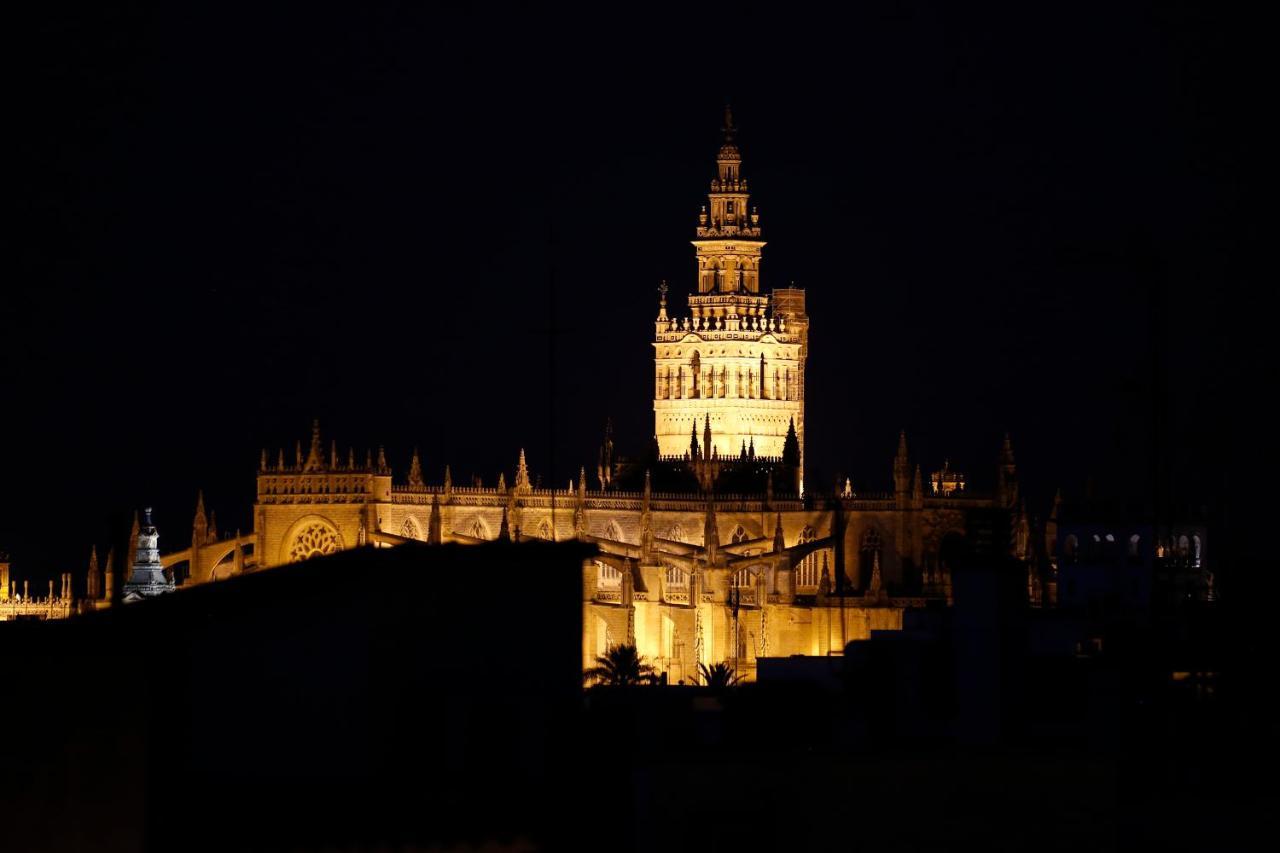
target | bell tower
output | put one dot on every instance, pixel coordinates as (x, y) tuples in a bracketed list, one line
[(735, 362)]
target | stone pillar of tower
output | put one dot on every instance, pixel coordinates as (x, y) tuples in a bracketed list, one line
[(147, 578), (737, 357)]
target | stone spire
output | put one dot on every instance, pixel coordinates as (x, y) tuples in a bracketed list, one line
[(262, 463), (523, 485), (315, 454), (448, 483), (382, 461), (504, 530), (874, 588), (791, 446), (706, 436), (93, 583), (433, 523), (109, 577), (200, 524), (415, 472), (901, 467), (147, 578), (694, 453), (333, 454), (132, 553), (280, 460), (779, 541), (502, 482)]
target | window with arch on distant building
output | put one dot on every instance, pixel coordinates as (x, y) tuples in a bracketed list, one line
[(807, 571)]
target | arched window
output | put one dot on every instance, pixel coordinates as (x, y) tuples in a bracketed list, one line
[(676, 534), (695, 368), (807, 571), (315, 538), (613, 532), (739, 535), (411, 529), (677, 577), (478, 529), (743, 579), (544, 529)]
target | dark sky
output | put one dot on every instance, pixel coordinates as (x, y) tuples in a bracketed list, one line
[(235, 221)]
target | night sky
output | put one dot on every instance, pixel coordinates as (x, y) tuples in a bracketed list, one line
[(235, 221)]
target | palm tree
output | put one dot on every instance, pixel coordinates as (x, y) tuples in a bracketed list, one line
[(621, 666), (718, 675)]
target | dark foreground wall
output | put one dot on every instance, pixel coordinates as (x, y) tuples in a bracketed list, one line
[(403, 696)]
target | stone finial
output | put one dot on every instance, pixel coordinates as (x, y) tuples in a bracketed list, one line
[(383, 468), (315, 455), (448, 482), (262, 462), (504, 529), (415, 471), (93, 582), (523, 485), (502, 482)]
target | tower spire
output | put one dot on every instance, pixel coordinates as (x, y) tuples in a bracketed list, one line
[(315, 455), (523, 485), (200, 524), (93, 583), (415, 471)]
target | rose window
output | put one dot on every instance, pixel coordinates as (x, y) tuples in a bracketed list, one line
[(314, 540)]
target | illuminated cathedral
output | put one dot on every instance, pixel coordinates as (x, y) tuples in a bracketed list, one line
[(710, 547)]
